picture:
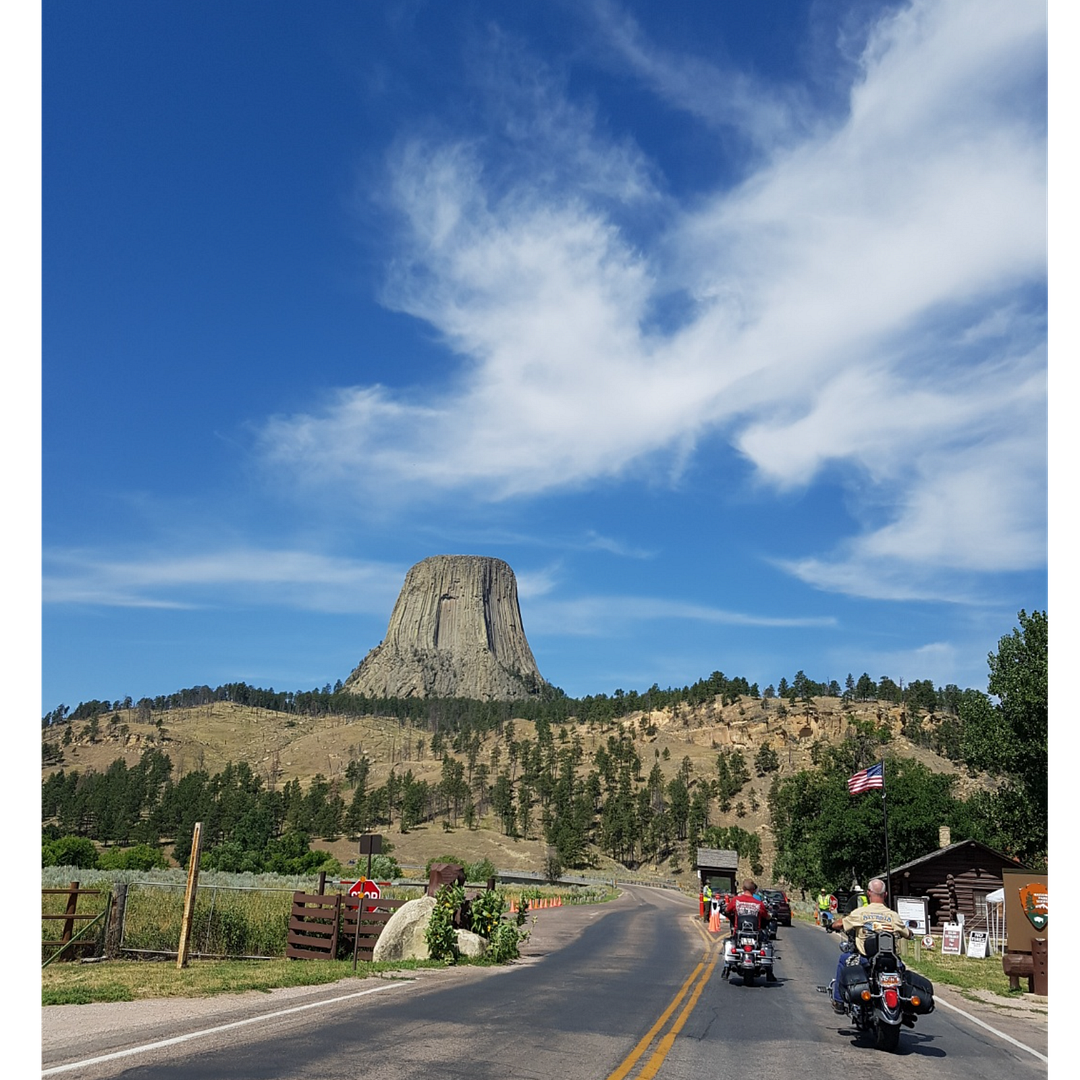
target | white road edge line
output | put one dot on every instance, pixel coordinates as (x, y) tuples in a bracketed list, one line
[(994, 1030), (214, 1030)]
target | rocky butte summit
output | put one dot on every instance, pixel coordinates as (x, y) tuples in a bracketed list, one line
[(455, 631)]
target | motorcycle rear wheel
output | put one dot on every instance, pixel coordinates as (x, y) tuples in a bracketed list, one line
[(886, 1037), (748, 978)]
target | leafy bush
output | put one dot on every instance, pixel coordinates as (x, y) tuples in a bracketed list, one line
[(383, 867), (487, 910), (474, 872), (290, 853), (505, 942), (440, 936), (139, 857), (70, 851)]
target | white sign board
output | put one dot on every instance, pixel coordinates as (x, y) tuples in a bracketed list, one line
[(912, 909), (952, 939), (976, 943)]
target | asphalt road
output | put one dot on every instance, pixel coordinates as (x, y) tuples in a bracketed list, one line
[(619, 991)]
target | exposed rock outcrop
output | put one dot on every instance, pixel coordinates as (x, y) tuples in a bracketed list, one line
[(455, 631)]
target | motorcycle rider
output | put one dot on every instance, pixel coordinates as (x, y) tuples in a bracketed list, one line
[(747, 904), (873, 915)]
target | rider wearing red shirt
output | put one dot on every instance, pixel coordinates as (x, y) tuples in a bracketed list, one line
[(747, 906), (746, 903)]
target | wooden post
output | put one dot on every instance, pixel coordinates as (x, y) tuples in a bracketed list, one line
[(115, 930), (1039, 966), (189, 896), (72, 906)]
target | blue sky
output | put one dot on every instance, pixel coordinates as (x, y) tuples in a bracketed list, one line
[(724, 325)]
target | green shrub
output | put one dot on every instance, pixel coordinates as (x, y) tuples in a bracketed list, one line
[(70, 851), (139, 857), (440, 936), (487, 910), (506, 941)]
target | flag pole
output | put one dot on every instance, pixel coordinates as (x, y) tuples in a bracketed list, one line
[(888, 864)]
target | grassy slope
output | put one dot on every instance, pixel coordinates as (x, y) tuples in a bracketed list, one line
[(279, 747)]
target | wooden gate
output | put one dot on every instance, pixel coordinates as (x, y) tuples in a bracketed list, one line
[(371, 923), (322, 926), (70, 941), (313, 926)]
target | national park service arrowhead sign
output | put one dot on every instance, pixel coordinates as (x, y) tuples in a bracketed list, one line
[(1033, 899)]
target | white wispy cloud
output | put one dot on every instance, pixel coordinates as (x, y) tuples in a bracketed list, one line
[(290, 579), (719, 96), (592, 615), (846, 308), (938, 661), (613, 546)]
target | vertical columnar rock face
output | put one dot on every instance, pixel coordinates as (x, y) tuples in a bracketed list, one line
[(455, 632)]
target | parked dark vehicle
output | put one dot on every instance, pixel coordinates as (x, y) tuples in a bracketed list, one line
[(777, 902)]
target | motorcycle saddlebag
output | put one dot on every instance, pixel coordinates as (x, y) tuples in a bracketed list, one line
[(918, 984), (853, 982)]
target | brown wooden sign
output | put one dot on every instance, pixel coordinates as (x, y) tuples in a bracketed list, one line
[(1027, 914)]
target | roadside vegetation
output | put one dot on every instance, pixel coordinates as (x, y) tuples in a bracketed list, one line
[(134, 980), (964, 972)]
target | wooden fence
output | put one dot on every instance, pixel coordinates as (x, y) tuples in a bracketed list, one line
[(324, 926), (70, 941)]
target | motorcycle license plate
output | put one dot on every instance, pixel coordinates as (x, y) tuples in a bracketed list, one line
[(889, 980)]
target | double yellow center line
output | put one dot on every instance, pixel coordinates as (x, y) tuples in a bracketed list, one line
[(693, 986)]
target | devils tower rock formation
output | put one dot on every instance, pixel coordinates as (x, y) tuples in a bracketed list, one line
[(455, 632)]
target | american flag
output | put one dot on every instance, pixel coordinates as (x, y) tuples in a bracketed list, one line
[(874, 777)]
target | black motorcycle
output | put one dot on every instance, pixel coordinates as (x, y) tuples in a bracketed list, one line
[(748, 952), (882, 996)]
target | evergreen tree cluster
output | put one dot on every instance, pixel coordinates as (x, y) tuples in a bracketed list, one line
[(544, 787)]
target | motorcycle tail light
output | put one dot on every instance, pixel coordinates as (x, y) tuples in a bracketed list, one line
[(749, 948), (892, 998)]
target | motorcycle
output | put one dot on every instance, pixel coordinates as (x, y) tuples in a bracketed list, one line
[(882, 996), (772, 924), (748, 952)]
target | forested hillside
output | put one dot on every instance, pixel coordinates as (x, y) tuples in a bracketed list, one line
[(638, 780)]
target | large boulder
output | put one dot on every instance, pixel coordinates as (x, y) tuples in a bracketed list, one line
[(470, 944), (455, 631), (402, 937)]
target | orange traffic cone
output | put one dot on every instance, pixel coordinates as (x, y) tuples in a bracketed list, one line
[(714, 922)]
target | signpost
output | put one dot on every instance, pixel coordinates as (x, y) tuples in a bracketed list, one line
[(362, 888), (370, 844)]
